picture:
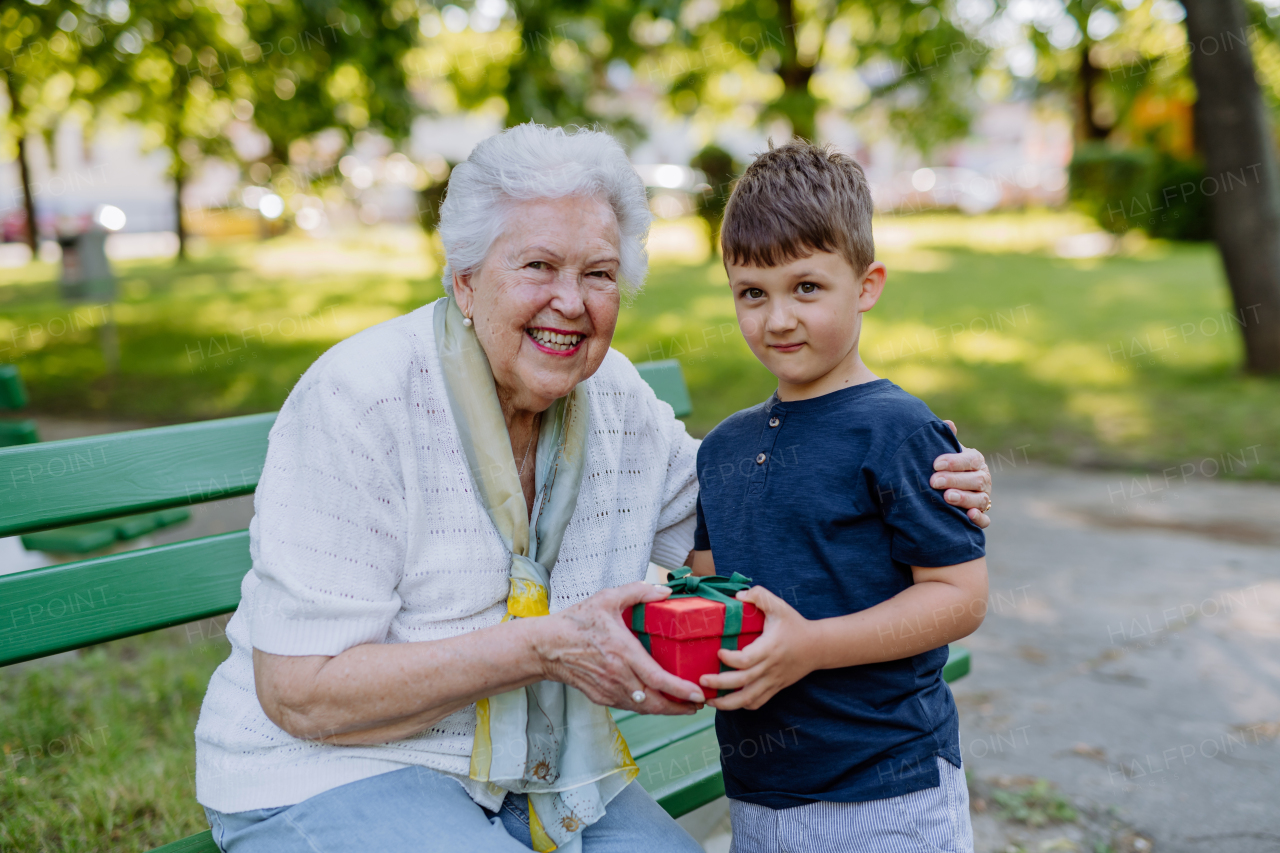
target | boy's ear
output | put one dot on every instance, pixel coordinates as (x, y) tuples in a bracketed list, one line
[(872, 286)]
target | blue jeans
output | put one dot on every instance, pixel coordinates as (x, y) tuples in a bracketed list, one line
[(417, 810)]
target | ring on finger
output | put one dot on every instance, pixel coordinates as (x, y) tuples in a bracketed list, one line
[(638, 696), (988, 509)]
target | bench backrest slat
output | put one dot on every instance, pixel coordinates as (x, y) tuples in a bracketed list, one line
[(58, 483), (667, 381), (58, 608), (44, 486)]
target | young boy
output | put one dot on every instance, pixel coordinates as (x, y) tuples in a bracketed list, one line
[(840, 733)]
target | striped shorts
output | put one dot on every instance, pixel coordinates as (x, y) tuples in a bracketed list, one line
[(935, 820)]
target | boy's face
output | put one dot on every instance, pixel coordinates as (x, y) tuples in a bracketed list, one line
[(802, 320)]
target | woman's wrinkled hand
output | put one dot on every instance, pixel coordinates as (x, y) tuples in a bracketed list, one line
[(966, 480), (587, 646)]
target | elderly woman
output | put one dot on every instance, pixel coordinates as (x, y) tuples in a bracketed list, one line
[(456, 506)]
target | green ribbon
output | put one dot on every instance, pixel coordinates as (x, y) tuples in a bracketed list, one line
[(685, 584)]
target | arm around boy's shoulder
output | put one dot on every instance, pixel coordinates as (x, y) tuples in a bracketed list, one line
[(927, 531)]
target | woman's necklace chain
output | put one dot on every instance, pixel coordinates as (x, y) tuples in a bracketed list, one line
[(529, 446)]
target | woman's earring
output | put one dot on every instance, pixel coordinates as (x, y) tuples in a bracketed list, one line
[(466, 321)]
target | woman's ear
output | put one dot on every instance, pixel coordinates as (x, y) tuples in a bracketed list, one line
[(463, 292)]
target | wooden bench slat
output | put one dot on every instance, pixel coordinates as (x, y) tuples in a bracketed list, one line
[(684, 775), (58, 483), (18, 432), (13, 393), (646, 734), (957, 665), (59, 608), (199, 843), (95, 535)]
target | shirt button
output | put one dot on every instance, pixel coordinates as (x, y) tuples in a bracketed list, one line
[(773, 422), (760, 459)]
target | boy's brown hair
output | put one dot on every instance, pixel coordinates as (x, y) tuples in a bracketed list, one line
[(795, 200)]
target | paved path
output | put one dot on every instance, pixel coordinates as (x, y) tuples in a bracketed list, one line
[(1132, 652)]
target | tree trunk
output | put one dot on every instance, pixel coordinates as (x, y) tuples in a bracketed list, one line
[(24, 171), (28, 202), (1235, 138), (179, 227), (1090, 130), (796, 103), (179, 166)]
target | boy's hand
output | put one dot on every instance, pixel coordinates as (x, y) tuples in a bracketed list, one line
[(782, 655)]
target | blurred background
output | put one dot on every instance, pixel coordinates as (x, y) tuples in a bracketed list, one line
[(1078, 203)]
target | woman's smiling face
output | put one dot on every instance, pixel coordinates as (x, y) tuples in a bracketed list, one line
[(545, 299)]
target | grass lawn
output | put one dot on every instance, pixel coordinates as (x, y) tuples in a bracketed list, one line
[(1121, 361), (1128, 361), (99, 752)]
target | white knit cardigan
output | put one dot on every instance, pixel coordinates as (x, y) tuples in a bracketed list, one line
[(367, 529)]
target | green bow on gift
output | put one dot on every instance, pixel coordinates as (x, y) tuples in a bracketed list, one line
[(685, 584)]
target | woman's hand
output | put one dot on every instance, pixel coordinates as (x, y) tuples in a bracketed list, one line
[(967, 481), (780, 656), (587, 646)]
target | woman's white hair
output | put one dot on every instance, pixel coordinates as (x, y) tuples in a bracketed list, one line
[(531, 161)]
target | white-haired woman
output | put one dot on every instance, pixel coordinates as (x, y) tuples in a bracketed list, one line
[(407, 672)]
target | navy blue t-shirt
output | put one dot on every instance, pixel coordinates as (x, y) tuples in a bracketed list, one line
[(826, 503)]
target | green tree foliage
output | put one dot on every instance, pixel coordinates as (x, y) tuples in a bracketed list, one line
[(294, 67), (884, 56), (54, 59), (313, 65), (156, 79), (1124, 66), (565, 63)]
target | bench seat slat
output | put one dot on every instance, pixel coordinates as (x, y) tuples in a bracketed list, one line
[(199, 843), (684, 775), (58, 483), (957, 665), (59, 608), (646, 734)]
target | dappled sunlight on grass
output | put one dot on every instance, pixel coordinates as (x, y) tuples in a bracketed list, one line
[(886, 341), (713, 309), (924, 380), (1021, 349), (208, 337), (1117, 417), (916, 260), (1077, 364), (1014, 231), (1133, 362), (992, 348), (304, 258)]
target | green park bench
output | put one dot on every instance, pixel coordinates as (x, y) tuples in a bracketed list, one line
[(44, 487), (13, 398), (81, 538)]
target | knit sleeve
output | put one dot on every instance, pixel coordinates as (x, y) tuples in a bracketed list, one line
[(329, 527), (677, 519)]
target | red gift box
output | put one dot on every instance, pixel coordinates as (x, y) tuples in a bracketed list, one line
[(685, 635)]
